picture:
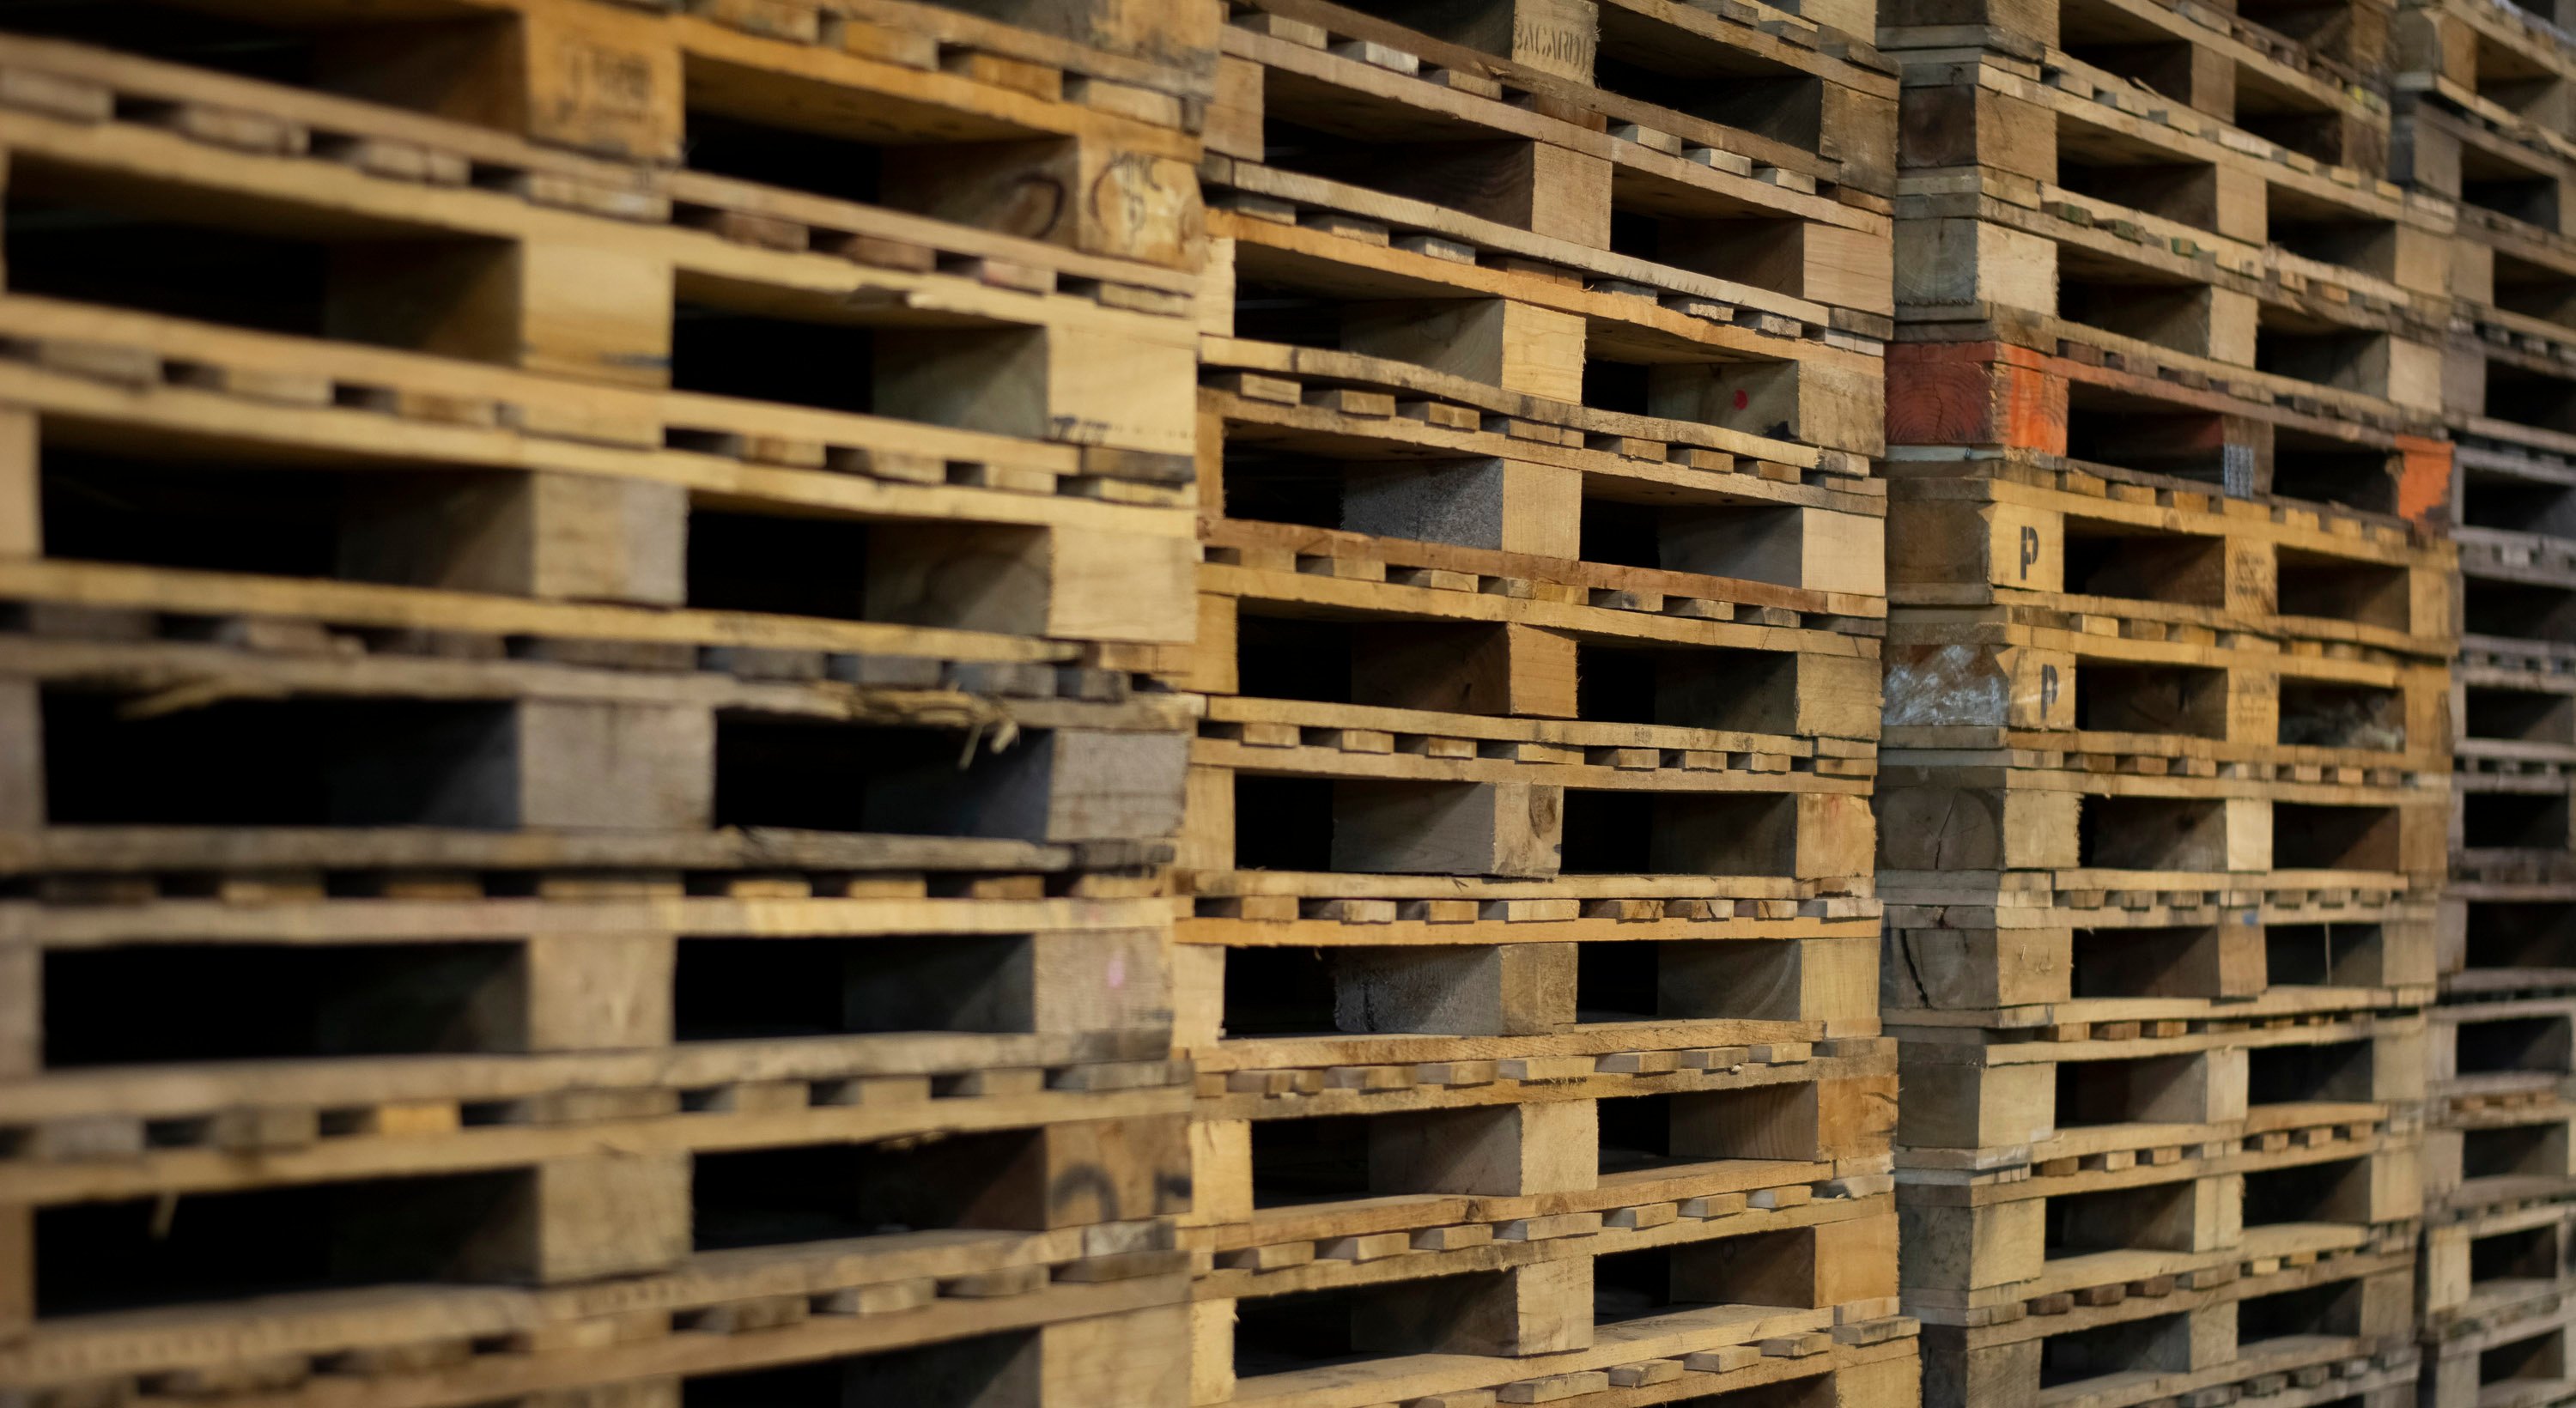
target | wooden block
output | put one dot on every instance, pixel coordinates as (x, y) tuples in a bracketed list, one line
[(1508, 1149), (576, 1219), (1540, 1309), (1497, 990), (1553, 1388), (1446, 828)]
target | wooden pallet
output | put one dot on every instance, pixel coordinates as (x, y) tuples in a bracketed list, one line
[(2040, 1170), (597, 506), (2505, 937), (1386, 192), (2316, 299), (1502, 1224), (746, 1327), (563, 569), (2022, 193), (2141, 825), (463, 764), (2018, 528), (2297, 76), (2508, 1041), (1105, 136), (1530, 331), (2051, 970), (652, 305), (393, 1171), (1530, 952), (2010, 388), (2330, 1326), (1728, 1356), (1803, 95), (2487, 1265), (2497, 1151), (2502, 263), (2108, 693), (2499, 61), (2513, 1360)]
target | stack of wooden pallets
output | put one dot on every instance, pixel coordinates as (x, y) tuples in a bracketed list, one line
[(2487, 117), (2163, 797), (590, 596), (1529, 970)]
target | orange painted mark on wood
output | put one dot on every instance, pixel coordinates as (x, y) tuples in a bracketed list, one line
[(2034, 409), (1974, 393), (2423, 478)]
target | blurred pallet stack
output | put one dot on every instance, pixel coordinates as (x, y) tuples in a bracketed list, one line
[(2486, 117), (2164, 784), (1529, 959), (590, 598)]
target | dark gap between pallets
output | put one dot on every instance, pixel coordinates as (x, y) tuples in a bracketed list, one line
[(1425, 496), (1279, 992), (2115, 560), (2541, 1357), (2509, 1044), (2537, 1150), (1754, 95), (2324, 955), (155, 246), (2517, 820), (1469, 988), (1470, 1313), (2541, 400), (2165, 962), (728, 989), (2518, 716), (288, 762), (1466, 667), (400, 762), (1646, 1132), (2333, 1308), (141, 1004), (1764, 1268), (2175, 700), (2145, 1089), (1759, 248), (2508, 189), (2157, 833), (2329, 1072), (2335, 1192), (2151, 1217), (1377, 826), (2328, 714), (2519, 934), (985, 1371), (2323, 353), (2523, 611), (94, 1257), (234, 43), (2338, 589), (1646, 833), (2535, 290), (2537, 1254), (1278, 300), (2514, 504), (219, 506), (774, 1197), (2238, 454)]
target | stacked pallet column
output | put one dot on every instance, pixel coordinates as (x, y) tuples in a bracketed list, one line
[(2163, 791), (2487, 117), (587, 604), (1529, 964)]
